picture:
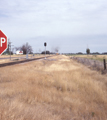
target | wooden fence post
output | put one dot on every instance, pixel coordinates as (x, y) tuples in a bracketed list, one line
[(104, 64)]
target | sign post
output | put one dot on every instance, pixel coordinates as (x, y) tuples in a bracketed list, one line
[(3, 42), (45, 44), (104, 60)]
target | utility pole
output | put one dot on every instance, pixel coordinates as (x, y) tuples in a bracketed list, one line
[(9, 47), (26, 50), (10, 50)]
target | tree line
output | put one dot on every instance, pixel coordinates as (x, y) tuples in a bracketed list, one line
[(26, 48)]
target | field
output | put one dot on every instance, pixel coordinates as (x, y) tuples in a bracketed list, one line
[(58, 88), (93, 57)]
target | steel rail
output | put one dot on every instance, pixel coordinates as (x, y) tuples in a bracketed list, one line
[(18, 62)]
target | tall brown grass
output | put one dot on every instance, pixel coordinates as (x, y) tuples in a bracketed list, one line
[(94, 57), (52, 90)]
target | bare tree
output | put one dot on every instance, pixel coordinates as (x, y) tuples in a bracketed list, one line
[(26, 48), (17, 48), (8, 49), (39, 50), (88, 51), (57, 49)]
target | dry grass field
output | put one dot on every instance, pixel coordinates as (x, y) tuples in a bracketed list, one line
[(54, 89), (8, 56), (94, 57)]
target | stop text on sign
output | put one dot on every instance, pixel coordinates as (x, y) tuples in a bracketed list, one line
[(2, 40)]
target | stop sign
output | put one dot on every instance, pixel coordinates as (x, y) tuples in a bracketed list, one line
[(3, 42)]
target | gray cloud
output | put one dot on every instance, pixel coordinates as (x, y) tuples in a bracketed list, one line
[(62, 23)]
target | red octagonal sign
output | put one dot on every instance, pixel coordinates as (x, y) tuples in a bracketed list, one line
[(3, 42)]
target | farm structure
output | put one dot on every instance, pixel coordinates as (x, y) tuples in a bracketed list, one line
[(19, 52)]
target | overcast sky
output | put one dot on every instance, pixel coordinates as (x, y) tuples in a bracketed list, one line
[(70, 25)]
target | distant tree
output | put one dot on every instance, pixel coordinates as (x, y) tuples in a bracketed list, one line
[(88, 51), (17, 48), (47, 52), (8, 49), (26, 48), (79, 53), (95, 53), (39, 50), (56, 49), (105, 53)]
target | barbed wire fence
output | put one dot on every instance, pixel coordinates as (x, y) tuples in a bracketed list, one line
[(94, 64)]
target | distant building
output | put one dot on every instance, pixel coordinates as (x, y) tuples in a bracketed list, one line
[(19, 52)]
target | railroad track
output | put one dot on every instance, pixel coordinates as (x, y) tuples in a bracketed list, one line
[(18, 62)]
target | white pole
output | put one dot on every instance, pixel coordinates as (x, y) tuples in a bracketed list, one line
[(45, 52)]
